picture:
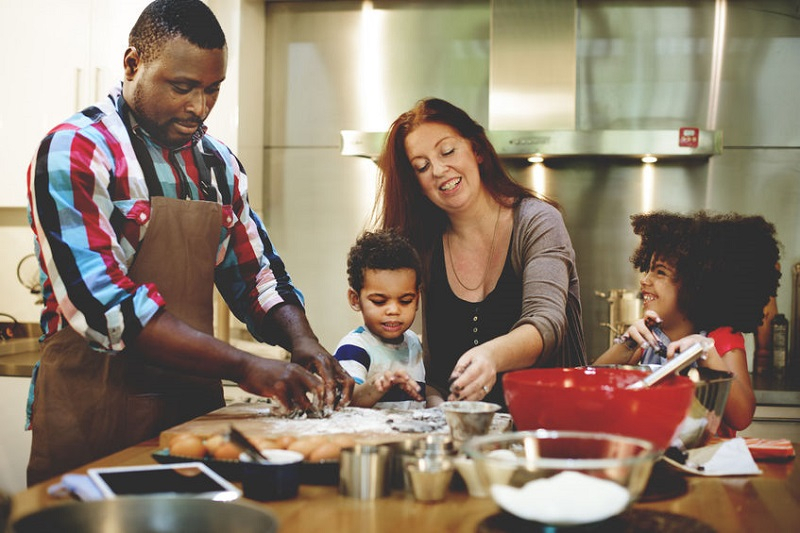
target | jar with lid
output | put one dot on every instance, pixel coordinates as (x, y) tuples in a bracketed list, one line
[(780, 334)]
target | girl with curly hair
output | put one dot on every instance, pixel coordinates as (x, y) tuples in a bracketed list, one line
[(704, 276)]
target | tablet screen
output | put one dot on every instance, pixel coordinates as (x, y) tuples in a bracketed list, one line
[(184, 479)]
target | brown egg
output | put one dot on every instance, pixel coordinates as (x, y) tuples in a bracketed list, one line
[(189, 446), (305, 445), (344, 441), (227, 451), (264, 443), (284, 441), (326, 450), (213, 442)]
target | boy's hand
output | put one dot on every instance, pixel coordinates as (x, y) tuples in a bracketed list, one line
[(397, 378)]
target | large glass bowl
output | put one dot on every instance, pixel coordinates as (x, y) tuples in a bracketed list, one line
[(562, 478)]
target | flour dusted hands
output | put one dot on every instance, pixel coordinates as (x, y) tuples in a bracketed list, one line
[(397, 378), (474, 375), (290, 384), (371, 391)]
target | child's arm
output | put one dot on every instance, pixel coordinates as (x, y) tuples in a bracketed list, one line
[(741, 400), (432, 396), (370, 392)]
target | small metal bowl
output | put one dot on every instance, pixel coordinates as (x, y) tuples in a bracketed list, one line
[(468, 419)]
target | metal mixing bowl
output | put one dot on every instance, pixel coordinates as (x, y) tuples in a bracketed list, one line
[(705, 413), (149, 514)]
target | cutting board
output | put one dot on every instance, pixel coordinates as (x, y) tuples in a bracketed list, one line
[(256, 421)]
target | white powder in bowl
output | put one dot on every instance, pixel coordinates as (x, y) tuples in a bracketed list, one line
[(566, 499)]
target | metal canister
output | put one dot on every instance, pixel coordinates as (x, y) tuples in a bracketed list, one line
[(364, 471)]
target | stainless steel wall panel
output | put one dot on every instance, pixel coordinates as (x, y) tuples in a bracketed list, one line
[(532, 80), (639, 64)]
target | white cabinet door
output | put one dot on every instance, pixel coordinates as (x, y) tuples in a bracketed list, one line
[(59, 57), (45, 46), (15, 442)]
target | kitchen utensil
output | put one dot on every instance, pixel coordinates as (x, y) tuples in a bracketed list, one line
[(364, 471), (135, 514), (429, 476), (468, 419), (676, 364), (249, 451), (596, 399), (563, 478)]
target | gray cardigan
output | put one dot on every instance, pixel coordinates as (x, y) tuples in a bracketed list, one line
[(542, 256)]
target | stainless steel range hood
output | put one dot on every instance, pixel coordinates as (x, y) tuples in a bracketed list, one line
[(550, 144), (532, 96)]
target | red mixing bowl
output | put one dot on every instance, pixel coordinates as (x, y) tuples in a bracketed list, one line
[(595, 399)]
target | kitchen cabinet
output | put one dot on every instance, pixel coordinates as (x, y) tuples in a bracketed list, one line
[(60, 57), (15, 443)]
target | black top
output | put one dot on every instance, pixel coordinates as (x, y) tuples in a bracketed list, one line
[(453, 326)]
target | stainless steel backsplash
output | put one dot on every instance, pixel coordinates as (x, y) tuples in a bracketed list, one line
[(730, 66)]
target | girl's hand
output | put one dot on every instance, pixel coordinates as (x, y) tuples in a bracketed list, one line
[(638, 337), (710, 356), (473, 376)]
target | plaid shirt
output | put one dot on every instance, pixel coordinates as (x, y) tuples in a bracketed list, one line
[(89, 206)]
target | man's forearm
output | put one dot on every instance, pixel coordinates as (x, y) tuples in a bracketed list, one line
[(287, 325)]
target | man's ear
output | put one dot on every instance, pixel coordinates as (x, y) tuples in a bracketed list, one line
[(352, 299), (131, 62)]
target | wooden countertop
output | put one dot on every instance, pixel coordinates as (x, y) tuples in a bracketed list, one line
[(768, 502)]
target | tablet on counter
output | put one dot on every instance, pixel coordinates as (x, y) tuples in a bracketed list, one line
[(193, 479)]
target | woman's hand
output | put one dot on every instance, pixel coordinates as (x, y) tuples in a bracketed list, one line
[(474, 375)]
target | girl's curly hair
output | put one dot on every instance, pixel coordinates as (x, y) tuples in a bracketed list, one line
[(727, 264)]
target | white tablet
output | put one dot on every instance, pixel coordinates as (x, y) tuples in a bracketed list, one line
[(192, 479)]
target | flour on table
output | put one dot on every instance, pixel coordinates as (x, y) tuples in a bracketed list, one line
[(378, 421)]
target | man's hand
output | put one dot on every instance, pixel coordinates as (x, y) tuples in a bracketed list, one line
[(293, 386), (290, 322), (336, 382)]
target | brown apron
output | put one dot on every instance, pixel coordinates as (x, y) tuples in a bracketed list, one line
[(88, 404)]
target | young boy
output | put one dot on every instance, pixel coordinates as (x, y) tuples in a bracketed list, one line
[(704, 275), (384, 356)]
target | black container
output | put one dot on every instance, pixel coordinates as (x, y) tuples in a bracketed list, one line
[(277, 480)]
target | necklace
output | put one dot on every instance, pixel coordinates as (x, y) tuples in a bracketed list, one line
[(488, 259)]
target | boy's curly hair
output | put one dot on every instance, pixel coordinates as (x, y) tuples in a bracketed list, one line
[(727, 264), (380, 250)]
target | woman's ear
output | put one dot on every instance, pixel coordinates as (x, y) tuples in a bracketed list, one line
[(352, 299)]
